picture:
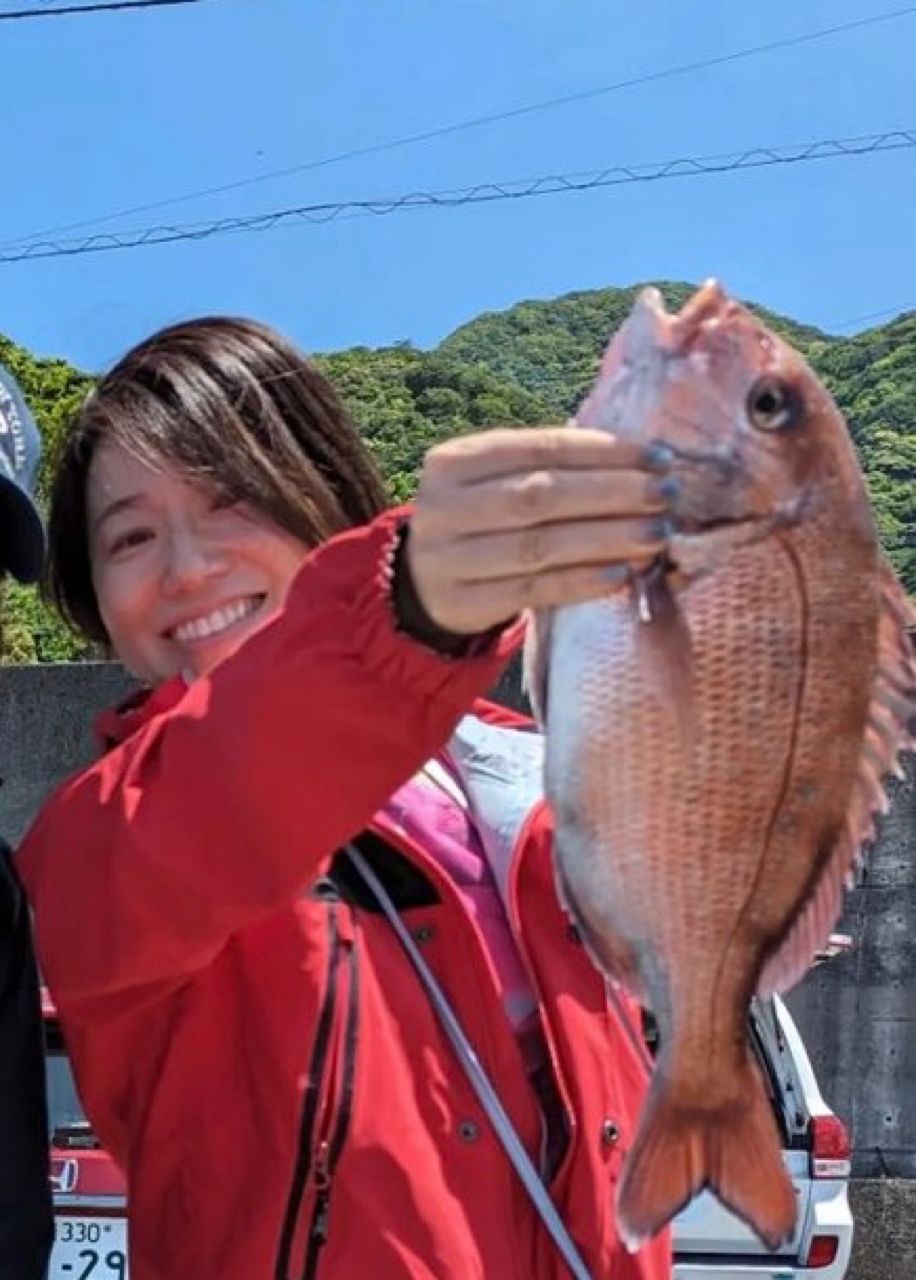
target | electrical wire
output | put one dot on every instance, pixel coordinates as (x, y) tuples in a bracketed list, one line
[(483, 193), (99, 6), (851, 321)]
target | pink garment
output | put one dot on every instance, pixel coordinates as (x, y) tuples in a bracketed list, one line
[(427, 814), (431, 816)]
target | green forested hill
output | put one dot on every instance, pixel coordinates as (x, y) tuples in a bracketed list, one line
[(406, 400), (873, 377), (529, 364)]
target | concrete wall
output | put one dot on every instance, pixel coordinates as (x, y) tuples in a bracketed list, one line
[(45, 730)]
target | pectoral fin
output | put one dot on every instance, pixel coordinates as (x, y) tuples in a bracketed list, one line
[(536, 661)]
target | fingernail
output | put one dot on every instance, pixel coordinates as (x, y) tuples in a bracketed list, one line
[(615, 574), (667, 488), (661, 528), (658, 456)]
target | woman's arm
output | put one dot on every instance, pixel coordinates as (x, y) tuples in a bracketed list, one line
[(223, 808)]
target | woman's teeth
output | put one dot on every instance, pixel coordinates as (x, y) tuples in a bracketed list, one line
[(217, 621)]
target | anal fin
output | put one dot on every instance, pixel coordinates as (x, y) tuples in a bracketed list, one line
[(613, 956)]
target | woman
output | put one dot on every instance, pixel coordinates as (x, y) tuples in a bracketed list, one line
[(250, 1036)]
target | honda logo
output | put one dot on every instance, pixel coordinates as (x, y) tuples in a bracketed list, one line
[(64, 1176)]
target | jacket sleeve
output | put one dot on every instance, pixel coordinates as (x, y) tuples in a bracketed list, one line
[(222, 808)]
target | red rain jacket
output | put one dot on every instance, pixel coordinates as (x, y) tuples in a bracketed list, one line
[(249, 1039)]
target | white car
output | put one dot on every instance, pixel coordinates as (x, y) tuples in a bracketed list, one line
[(712, 1244), (709, 1242)]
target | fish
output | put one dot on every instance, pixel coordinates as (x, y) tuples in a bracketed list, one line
[(719, 731)]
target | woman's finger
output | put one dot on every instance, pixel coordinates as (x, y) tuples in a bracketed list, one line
[(545, 497), (469, 460), (477, 607), (541, 547)]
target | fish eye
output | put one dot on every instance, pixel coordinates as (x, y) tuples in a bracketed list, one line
[(772, 405)]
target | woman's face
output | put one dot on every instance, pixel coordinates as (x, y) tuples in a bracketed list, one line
[(181, 581)]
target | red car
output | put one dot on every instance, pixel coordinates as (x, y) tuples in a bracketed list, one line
[(90, 1203)]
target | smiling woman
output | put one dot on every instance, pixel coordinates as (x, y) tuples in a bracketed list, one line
[(232, 998), (211, 433)]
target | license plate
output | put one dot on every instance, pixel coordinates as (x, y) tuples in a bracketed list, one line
[(89, 1249)]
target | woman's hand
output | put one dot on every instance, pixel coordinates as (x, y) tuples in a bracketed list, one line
[(511, 519)]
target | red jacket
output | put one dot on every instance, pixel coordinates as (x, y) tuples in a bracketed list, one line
[(250, 1041)]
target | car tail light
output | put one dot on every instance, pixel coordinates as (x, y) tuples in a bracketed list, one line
[(823, 1251), (830, 1153)]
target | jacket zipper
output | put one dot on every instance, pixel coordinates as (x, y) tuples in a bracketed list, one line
[(311, 1099), (330, 1148)]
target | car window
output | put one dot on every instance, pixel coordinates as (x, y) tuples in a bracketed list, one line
[(68, 1123)]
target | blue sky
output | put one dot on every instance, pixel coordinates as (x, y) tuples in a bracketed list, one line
[(111, 111)]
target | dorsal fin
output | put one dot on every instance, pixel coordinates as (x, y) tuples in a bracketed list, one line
[(890, 730)]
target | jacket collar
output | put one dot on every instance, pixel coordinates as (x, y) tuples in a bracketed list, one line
[(114, 726)]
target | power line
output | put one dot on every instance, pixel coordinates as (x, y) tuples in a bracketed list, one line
[(476, 122), (483, 193), (851, 321), (100, 6)]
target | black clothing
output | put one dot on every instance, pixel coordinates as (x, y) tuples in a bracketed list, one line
[(26, 1221)]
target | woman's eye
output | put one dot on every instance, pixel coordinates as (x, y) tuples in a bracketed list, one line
[(128, 539), (232, 513), (224, 503)]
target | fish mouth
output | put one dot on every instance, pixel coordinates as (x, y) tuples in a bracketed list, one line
[(698, 546), (673, 332), (690, 523), (757, 523), (740, 527)]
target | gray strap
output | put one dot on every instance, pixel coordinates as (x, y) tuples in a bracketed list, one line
[(626, 1021), (478, 1078)]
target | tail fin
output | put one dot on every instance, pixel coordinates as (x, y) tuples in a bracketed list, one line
[(679, 1151)]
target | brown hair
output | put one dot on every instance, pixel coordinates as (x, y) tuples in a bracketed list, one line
[(240, 409)]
